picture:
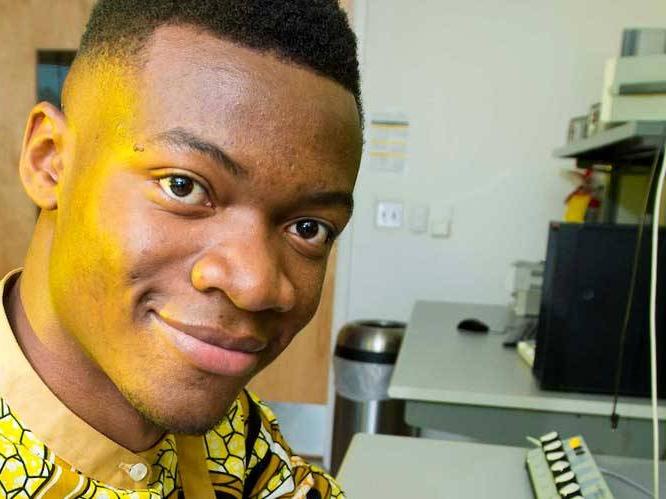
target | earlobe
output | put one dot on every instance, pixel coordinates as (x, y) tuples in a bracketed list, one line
[(43, 154)]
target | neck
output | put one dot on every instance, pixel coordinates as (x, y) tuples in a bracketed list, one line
[(60, 361)]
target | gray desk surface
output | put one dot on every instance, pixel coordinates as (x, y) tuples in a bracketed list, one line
[(439, 364), (402, 467)]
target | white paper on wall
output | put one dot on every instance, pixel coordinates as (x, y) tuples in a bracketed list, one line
[(387, 142)]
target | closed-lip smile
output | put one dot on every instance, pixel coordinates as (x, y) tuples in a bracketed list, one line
[(211, 349)]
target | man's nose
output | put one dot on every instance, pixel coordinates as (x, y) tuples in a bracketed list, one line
[(249, 271)]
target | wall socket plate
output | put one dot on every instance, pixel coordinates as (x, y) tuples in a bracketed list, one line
[(389, 214)]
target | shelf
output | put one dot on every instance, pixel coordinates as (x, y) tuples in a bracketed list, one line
[(633, 143)]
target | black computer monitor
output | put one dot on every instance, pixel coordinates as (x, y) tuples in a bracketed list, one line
[(585, 291)]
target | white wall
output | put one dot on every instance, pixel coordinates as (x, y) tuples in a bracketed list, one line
[(489, 87)]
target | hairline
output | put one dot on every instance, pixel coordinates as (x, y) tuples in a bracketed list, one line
[(132, 51)]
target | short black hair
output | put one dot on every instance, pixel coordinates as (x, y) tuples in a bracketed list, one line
[(312, 33)]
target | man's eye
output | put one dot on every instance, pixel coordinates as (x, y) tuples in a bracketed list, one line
[(314, 232), (184, 189)]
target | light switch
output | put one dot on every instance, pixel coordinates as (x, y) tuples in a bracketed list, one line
[(441, 228), (418, 218), (441, 220)]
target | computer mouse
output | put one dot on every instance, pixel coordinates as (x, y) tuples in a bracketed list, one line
[(473, 326)]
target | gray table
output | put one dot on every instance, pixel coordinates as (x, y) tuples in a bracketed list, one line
[(470, 384), (402, 467)]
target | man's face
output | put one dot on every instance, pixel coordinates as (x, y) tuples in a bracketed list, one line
[(194, 224)]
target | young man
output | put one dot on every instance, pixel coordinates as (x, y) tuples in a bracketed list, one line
[(190, 191)]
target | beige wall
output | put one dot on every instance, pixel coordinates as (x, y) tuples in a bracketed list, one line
[(25, 27)]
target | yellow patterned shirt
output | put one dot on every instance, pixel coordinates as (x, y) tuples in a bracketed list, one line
[(47, 451)]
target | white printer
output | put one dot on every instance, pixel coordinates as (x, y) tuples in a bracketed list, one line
[(635, 84)]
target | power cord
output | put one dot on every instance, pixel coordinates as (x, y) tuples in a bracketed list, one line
[(653, 324), (615, 417), (626, 480)]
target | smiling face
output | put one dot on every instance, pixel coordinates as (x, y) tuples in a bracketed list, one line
[(193, 226)]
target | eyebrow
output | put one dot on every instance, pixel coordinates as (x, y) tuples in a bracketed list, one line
[(182, 138), (329, 198)]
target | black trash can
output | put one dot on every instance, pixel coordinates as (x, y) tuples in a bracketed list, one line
[(364, 360)]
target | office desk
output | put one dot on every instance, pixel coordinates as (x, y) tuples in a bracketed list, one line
[(470, 384), (402, 467)]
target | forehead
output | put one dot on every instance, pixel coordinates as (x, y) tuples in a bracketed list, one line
[(243, 99)]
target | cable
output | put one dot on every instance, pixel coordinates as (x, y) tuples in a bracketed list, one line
[(653, 324), (626, 480), (632, 286)]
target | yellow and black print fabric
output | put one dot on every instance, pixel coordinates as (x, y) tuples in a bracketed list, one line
[(246, 457)]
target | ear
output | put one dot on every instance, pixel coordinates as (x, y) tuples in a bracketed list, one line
[(43, 154)]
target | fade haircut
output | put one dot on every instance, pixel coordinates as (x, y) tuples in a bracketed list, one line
[(310, 33)]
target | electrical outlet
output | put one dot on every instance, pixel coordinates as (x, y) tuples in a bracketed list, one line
[(389, 214)]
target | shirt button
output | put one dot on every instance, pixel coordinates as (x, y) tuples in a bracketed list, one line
[(138, 471)]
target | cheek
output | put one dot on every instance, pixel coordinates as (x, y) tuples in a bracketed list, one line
[(311, 280), (93, 225), (139, 237), (104, 234), (308, 282), (160, 250), (84, 256)]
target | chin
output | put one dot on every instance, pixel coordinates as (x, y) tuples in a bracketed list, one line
[(179, 425), (184, 415)]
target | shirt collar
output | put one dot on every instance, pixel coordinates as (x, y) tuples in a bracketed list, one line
[(63, 432)]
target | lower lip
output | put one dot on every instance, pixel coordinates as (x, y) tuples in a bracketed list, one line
[(207, 357)]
